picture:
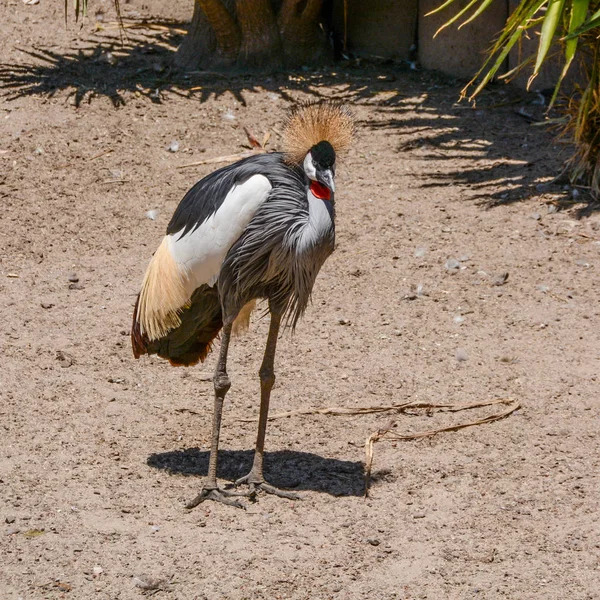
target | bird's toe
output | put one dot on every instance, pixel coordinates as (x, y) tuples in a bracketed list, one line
[(218, 495)]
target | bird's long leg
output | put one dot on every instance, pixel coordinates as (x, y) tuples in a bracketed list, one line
[(210, 490), (255, 478)]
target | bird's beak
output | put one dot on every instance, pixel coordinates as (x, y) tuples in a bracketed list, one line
[(326, 178)]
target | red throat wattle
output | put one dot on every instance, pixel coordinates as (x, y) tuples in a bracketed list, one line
[(320, 191)]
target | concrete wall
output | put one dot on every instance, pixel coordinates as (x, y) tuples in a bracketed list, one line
[(388, 28), (458, 52), (378, 27)]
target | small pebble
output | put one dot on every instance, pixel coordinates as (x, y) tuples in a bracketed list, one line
[(46, 305), (73, 278), (10, 519), (419, 516), (344, 321), (65, 360), (420, 252), (452, 264), (500, 279), (536, 216), (173, 146), (373, 541), (461, 355), (108, 57), (458, 319)]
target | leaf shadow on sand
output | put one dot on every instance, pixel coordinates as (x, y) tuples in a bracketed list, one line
[(285, 469), (502, 156), (143, 63)]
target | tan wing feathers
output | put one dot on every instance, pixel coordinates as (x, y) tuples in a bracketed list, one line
[(163, 294)]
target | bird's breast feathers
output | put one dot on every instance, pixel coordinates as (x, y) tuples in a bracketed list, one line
[(187, 260), (319, 227)]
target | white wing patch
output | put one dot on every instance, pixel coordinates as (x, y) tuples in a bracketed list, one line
[(200, 253)]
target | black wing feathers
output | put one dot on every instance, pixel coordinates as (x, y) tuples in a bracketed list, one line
[(206, 197)]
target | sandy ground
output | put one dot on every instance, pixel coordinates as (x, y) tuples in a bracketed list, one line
[(99, 451)]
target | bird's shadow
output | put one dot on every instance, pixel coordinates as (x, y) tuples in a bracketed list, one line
[(285, 469)]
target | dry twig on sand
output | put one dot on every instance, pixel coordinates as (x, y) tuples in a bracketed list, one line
[(386, 433)]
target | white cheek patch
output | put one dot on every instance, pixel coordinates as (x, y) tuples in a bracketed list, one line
[(309, 167)]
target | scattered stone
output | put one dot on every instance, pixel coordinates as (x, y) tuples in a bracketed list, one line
[(552, 208), (419, 516), (420, 252), (452, 265), (536, 216), (500, 279), (459, 319), (63, 586), (108, 57), (12, 531), (145, 582), (173, 146), (73, 278), (76, 286), (46, 305), (461, 355), (65, 360), (10, 519), (344, 322), (116, 380), (373, 541), (97, 570)]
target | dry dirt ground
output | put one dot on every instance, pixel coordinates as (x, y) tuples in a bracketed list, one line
[(99, 451)]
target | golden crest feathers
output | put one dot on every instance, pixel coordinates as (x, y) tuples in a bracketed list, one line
[(312, 122)]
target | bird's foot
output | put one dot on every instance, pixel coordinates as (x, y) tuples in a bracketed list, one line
[(218, 495), (256, 484)]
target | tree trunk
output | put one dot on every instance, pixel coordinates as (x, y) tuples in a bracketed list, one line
[(213, 40), (260, 39), (253, 35), (303, 40)]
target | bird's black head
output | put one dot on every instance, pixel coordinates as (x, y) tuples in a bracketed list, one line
[(319, 164), (323, 155)]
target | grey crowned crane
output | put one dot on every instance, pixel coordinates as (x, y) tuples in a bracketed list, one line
[(258, 229)]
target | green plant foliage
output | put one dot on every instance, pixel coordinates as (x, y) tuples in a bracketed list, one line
[(573, 28)]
